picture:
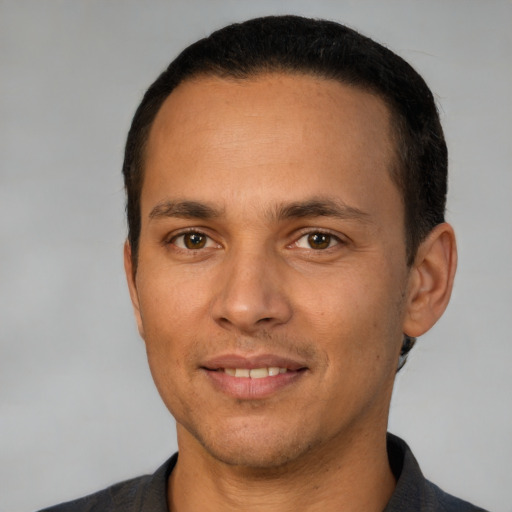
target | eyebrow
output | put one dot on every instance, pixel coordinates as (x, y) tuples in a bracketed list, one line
[(315, 207), (185, 210), (320, 207)]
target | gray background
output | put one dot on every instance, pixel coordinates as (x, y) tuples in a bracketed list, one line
[(78, 409)]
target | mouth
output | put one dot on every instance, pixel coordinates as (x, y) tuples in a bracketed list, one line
[(254, 373), (251, 378)]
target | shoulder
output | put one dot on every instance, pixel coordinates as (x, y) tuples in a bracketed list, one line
[(413, 491), (111, 498), (144, 493), (446, 502)]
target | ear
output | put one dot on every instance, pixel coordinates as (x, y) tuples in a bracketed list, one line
[(132, 285), (430, 280)]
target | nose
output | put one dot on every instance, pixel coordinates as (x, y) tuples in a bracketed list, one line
[(250, 296)]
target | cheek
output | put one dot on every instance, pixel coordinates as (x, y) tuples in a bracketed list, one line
[(169, 333), (355, 316), (170, 301)]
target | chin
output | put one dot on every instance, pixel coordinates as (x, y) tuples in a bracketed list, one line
[(257, 457), (254, 446)]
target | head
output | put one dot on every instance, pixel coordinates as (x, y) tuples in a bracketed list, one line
[(274, 181), (326, 49)]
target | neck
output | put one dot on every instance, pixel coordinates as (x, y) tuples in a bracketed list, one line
[(356, 476)]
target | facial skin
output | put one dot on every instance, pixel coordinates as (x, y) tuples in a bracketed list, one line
[(254, 172)]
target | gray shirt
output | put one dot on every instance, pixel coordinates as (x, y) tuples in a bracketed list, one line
[(148, 493)]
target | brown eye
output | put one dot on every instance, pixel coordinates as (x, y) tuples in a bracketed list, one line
[(319, 240), (194, 240)]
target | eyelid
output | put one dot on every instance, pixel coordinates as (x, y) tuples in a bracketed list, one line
[(337, 237), (171, 238)]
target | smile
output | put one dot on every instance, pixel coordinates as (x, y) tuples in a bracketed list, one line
[(255, 373), (253, 377)]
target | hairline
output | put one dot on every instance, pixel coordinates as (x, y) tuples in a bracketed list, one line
[(397, 167)]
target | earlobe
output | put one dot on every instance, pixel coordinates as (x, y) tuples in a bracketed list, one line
[(431, 280), (132, 287)]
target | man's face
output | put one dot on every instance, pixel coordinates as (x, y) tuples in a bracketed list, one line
[(272, 240)]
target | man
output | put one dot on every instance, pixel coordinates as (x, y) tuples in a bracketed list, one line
[(286, 184)]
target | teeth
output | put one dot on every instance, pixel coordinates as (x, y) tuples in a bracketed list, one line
[(259, 373), (255, 373)]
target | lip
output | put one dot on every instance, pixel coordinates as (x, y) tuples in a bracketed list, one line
[(244, 388), (252, 362)]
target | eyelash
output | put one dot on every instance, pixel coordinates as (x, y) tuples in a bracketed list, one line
[(173, 239), (333, 241)]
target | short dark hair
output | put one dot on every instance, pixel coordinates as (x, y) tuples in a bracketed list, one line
[(325, 49)]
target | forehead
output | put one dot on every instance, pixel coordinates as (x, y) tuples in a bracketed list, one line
[(203, 100), (273, 135)]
